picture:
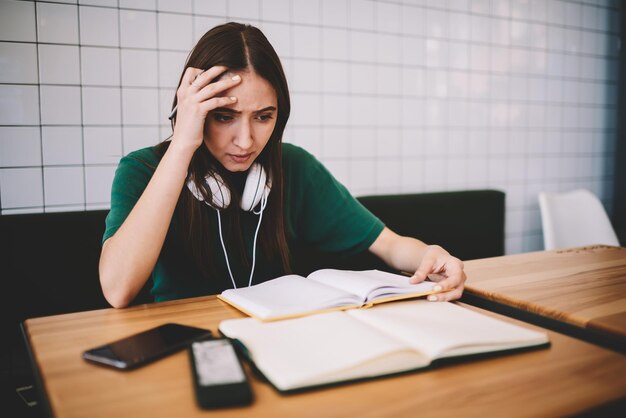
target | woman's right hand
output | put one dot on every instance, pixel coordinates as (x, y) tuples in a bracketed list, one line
[(196, 97)]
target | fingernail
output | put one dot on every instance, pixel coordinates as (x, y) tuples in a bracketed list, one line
[(233, 98), (437, 288), (432, 298), (236, 78)]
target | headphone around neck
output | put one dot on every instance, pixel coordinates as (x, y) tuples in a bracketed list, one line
[(256, 189), (255, 193)]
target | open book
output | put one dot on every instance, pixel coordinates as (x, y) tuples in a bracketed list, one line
[(323, 290), (363, 343)]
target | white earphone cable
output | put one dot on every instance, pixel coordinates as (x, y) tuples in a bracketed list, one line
[(219, 225), (256, 233)]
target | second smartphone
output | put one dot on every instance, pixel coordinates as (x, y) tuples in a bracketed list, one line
[(144, 347)]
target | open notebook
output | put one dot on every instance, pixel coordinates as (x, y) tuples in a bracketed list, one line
[(322, 291), (363, 343)]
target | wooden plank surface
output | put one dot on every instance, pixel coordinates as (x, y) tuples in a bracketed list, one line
[(568, 377), (584, 287)]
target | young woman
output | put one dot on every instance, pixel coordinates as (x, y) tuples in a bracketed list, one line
[(219, 204)]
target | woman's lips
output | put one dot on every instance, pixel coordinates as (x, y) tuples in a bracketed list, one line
[(240, 158)]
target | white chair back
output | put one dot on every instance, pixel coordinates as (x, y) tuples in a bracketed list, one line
[(574, 219)]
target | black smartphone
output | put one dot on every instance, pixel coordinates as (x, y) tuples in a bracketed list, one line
[(146, 346), (219, 378)]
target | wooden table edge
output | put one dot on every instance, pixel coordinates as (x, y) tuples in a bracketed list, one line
[(520, 311), (43, 401)]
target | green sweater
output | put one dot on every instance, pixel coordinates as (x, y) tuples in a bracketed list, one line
[(319, 213)]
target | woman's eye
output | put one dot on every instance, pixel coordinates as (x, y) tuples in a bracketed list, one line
[(221, 117), (264, 118)]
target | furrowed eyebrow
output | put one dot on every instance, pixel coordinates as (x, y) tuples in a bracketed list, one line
[(229, 110)]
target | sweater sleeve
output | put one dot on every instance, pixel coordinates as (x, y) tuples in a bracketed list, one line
[(131, 178)]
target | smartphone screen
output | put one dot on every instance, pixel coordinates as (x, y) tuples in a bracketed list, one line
[(145, 346), (216, 363)]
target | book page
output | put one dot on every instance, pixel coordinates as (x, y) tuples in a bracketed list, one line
[(444, 329), (370, 285), (320, 349), (287, 295)]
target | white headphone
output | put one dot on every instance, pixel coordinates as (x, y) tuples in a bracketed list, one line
[(255, 192)]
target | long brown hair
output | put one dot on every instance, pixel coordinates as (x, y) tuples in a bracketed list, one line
[(238, 47)]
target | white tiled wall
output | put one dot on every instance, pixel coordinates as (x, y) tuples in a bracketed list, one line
[(393, 96)]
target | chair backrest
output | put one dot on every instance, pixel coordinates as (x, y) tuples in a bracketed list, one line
[(50, 263), (574, 219)]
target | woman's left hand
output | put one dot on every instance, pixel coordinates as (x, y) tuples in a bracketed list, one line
[(439, 266)]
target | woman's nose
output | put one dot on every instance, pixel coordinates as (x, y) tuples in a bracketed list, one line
[(243, 138)]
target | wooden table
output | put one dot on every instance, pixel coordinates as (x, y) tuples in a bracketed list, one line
[(582, 290), (568, 377)]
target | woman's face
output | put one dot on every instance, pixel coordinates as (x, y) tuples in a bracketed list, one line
[(236, 134)]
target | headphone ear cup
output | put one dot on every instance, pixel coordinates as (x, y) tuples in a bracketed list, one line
[(194, 190), (256, 186), (219, 191)]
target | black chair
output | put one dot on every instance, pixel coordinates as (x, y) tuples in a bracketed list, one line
[(469, 224)]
